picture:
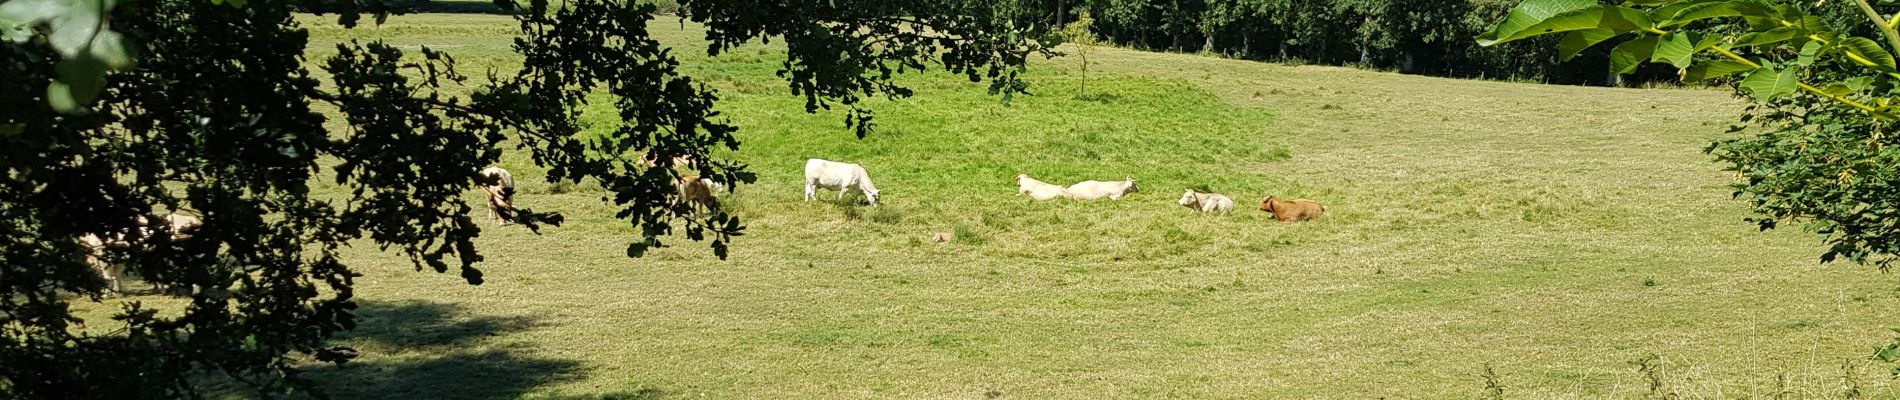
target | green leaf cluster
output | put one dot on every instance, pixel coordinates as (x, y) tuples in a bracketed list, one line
[(1703, 39), (1816, 146)]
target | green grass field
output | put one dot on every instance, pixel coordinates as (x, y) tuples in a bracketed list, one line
[(1554, 234)]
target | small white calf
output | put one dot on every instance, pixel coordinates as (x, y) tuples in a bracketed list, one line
[(1091, 190), (1036, 189), (844, 177), (1206, 202), (501, 194)]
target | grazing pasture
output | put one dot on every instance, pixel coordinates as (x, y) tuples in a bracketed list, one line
[(1471, 227)]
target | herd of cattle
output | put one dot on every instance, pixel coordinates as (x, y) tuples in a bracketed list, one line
[(847, 178), (699, 192)]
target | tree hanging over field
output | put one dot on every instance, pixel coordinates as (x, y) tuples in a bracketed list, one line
[(116, 113), (1815, 146)]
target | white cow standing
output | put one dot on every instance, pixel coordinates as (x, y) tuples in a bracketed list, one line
[(844, 177), (1206, 202), (1091, 190), (1037, 189)]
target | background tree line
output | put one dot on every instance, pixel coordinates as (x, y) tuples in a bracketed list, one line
[(1430, 37)]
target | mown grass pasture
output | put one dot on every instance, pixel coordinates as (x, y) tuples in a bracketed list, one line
[(1556, 235)]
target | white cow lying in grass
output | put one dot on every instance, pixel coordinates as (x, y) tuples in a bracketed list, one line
[(501, 194), (1091, 190), (179, 226), (844, 177), (1037, 189), (1206, 202)]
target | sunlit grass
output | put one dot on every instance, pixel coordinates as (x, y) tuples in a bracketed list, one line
[(1556, 234)]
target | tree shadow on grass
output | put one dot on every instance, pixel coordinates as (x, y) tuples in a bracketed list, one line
[(428, 350)]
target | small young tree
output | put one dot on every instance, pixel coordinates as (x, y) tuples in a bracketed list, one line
[(1081, 33)]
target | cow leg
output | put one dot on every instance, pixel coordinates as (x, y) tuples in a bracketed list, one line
[(113, 273), (842, 191), (810, 192)]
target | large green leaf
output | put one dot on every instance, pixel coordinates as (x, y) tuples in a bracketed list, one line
[(1708, 42), (1625, 57), (1868, 51), (1715, 69), (1575, 41), (1808, 52), (109, 47), (1848, 86), (1540, 17), (74, 30), (1700, 11), (1766, 83), (1770, 36), (1677, 48), (1670, 10), (73, 97), (1773, 18), (22, 12), (1528, 13)]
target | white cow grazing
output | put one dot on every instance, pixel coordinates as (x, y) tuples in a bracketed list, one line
[(501, 194), (1037, 189), (179, 226), (836, 175), (1206, 202), (1091, 190)]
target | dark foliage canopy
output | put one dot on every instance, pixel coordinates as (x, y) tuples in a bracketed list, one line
[(114, 114)]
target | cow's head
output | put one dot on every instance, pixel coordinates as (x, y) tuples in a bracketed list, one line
[(1266, 204), (871, 195), (1188, 199)]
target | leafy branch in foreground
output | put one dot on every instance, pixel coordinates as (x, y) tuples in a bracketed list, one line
[(220, 120), (1785, 41), (1814, 145)]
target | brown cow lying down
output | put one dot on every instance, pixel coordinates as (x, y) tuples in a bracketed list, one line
[(698, 192), (1292, 211)]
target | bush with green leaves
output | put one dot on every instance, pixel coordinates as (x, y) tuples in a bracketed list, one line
[(115, 114), (1813, 146)]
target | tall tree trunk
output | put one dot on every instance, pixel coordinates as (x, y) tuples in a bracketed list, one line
[(1208, 46), (1410, 65), (1060, 13)]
